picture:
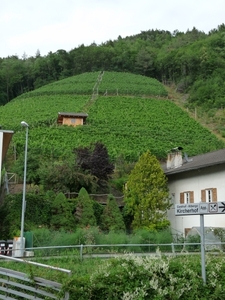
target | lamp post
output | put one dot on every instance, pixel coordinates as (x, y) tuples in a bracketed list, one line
[(24, 124)]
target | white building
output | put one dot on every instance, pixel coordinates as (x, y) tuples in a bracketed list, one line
[(192, 180)]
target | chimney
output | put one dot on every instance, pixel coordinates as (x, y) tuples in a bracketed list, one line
[(174, 158)]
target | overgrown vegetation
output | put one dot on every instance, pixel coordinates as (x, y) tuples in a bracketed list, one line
[(133, 277)]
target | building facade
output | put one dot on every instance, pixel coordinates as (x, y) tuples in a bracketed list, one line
[(194, 180)]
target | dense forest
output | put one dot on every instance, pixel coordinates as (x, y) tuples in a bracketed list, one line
[(194, 61)]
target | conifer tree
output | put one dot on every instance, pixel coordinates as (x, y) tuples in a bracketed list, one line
[(112, 218), (62, 216), (146, 194), (84, 214)]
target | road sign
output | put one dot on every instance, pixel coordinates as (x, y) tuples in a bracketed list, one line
[(201, 208), (187, 209), (222, 207)]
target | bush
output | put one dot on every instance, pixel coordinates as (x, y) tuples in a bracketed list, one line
[(193, 239), (132, 277)]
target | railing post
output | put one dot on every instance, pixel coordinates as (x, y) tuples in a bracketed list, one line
[(81, 252), (173, 249)]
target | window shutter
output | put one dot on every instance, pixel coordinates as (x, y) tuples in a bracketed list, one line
[(191, 197), (214, 195), (203, 196), (182, 198)]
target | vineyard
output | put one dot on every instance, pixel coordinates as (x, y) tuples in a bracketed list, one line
[(129, 84), (129, 116)]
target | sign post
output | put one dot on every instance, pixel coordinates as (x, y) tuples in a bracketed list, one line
[(202, 247), (202, 208)]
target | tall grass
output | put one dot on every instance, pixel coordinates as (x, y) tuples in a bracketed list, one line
[(61, 242)]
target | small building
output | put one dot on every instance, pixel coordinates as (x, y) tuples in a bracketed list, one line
[(193, 180), (71, 118), (5, 138)]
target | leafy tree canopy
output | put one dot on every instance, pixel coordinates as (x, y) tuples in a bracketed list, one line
[(146, 194), (96, 161), (66, 177)]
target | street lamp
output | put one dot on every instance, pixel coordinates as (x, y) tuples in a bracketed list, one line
[(24, 124)]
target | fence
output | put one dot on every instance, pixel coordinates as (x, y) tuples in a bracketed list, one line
[(14, 283), (110, 250)]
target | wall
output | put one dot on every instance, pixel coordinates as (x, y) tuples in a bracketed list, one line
[(70, 122), (196, 180)]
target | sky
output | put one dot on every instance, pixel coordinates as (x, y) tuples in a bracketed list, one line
[(27, 26)]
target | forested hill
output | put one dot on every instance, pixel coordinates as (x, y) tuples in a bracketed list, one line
[(194, 61)]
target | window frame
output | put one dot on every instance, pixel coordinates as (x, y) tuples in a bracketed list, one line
[(208, 193), (187, 197)]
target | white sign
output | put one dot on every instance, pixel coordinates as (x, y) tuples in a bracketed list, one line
[(201, 208), (187, 209)]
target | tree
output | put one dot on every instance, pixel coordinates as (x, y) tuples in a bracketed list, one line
[(62, 216), (112, 218), (64, 176), (95, 160), (33, 162), (101, 167), (146, 194), (84, 214), (144, 62)]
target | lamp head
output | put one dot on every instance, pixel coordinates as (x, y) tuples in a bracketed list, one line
[(24, 124)]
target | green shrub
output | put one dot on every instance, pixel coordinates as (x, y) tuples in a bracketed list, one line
[(193, 239), (144, 278)]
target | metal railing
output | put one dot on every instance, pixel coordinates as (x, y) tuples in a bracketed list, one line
[(110, 250), (14, 283)]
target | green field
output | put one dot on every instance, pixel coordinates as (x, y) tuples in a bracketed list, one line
[(129, 119)]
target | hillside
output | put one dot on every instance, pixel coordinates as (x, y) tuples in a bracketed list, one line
[(192, 61), (128, 113)]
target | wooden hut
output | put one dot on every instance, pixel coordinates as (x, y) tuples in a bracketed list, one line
[(71, 118)]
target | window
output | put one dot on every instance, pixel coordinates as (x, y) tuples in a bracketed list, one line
[(187, 197), (209, 195), (73, 121)]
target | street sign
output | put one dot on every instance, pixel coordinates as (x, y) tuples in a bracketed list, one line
[(201, 208), (187, 209)]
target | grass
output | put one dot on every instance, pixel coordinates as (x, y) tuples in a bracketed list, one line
[(72, 263), (213, 119)]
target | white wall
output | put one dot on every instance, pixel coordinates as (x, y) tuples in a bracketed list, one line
[(197, 180)]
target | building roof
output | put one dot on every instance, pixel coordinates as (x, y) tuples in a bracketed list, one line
[(198, 162), (73, 114), (61, 115)]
